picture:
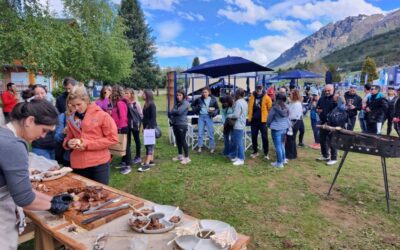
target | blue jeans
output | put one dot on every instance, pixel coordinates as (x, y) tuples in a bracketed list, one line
[(314, 123), (206, 121), (363, 122), (227, 144), (47, 153), (278, 137), (237, 144)]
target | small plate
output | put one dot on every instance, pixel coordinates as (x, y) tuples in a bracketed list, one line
[(169, 212), (168, 225), (139, 230)]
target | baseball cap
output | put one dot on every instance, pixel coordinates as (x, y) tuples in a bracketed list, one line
[(353, 86), (390, 87)]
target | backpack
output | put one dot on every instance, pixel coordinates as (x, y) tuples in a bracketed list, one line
[(134, 117), (338, 117)]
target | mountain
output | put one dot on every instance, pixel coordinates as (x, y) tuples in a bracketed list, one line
[(335, 36), (384, 49)]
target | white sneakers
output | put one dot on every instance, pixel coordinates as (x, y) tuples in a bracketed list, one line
[(331, 162), (185, 160), (238, 162), (178, 158)]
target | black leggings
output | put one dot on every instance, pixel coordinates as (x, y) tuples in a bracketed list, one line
[(290, 145), (301, 131), (136, 136), (180, 135), (99, 173)]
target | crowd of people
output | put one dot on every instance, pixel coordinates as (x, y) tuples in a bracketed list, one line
[(78, 132)]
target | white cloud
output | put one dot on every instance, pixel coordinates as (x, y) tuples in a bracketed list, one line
[(191, 16), (169, 30), (167, 5), (248, 11), (314, 26), (334, 10), (243, 11), (284, 25), (55, 6)]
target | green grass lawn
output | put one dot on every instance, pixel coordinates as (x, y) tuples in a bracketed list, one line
[(279, 209)]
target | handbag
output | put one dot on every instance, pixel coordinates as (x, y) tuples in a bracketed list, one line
[(158, 132), (119, 149)]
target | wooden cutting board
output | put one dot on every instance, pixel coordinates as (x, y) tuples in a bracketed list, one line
[(72, 180)]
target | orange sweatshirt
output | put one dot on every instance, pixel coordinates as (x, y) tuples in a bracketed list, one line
[(97, 132)]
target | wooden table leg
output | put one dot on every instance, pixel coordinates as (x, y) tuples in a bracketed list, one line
[(43, 240)]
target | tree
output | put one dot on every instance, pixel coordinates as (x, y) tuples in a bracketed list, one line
[(196, 61), (144, 72), (369, 68)]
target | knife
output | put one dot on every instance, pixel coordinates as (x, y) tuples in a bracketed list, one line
[(105, 213), (95, 209)]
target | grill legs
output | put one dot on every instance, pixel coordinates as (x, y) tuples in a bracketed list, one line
[(338, 171), (385, 180)]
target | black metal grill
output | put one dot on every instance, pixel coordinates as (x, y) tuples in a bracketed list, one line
[(378, 145)]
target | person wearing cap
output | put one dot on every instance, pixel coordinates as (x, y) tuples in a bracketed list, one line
[(353, 105), (361, 114), (392, 99), (375, 109), (314, 119), (259, 106), (10, 99)]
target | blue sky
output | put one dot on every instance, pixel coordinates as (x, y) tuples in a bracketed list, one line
[(259, 30)]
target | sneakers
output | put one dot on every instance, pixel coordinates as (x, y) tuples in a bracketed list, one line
[(212, 151), (234, 159), (151, 164), (186, 160), (266, 157), (322, 159), (178, 158), (277, 165), (254, 155), (199, 150), (301, 145), (125, 170), (123, 165), (286, 161), (144, 168), (137, 160), (331, 162), (238, 162)]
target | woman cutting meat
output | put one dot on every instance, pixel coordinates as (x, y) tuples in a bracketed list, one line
[(90, 133), (28, 121)]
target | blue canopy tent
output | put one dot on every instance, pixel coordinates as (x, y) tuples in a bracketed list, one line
[(295, 75), (227, 66)]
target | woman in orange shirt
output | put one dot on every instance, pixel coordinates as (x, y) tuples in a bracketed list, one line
[(90, 133)]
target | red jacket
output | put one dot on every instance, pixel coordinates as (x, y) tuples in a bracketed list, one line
[(97, 132), (9, 101)]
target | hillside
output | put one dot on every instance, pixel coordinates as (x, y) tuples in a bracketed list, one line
[(335, 36), (384, 49)]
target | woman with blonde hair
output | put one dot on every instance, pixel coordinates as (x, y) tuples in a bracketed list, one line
[(90, 133), (295, 108), (135, 115)]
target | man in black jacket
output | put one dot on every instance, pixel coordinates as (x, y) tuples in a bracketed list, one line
[(61, 101), (325, 105), (353, 105)]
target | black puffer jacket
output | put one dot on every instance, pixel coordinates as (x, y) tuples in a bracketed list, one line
[(196, 106), (327, 104), (356, 100), (378, 106)]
